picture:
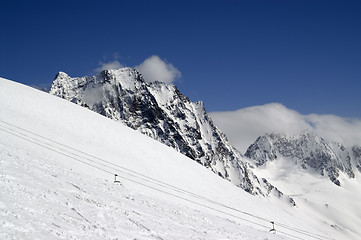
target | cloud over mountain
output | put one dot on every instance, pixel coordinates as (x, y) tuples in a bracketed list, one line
[(155, 69), (115, 64), (243, 126)]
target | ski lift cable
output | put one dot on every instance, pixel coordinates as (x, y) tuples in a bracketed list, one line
[(87, 154), (108, 162), (134, 181), (173, 187), (163, 183), (91, 160), (123, 168), (37, 143), (51, 147), (97, 167)]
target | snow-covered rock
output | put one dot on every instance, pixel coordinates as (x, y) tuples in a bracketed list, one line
[(308, 151), (160, 111), (356, 155)]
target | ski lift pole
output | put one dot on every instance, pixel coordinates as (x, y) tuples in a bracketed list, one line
[(273, 230), (115, 178)]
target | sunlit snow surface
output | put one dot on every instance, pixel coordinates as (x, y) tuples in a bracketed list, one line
[(331, 205), (57, 165), (42, 200)]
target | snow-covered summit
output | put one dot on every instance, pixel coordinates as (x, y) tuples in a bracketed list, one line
[(308, 151), (160, 111), (127, 77), (61, 75)]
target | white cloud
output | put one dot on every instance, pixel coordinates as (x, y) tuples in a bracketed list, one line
[(243, 126), (109, 65), (155, 69), (93, 95)]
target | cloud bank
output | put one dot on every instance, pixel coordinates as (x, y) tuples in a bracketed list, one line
[(109, 65), (243, 126), (155, 69)]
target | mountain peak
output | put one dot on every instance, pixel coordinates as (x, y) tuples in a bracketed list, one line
[(61, 75), (308, 150), (162, 112), (125, 71)]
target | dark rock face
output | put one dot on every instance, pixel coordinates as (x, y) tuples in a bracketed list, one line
[(356, 155), (160, 111), (307, 150)]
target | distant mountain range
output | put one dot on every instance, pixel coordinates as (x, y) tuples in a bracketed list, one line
[(160, 111)]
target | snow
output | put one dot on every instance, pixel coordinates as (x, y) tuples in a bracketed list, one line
[(48, 201), (315, 195), (57, 166), (125, 79), (318, 175)]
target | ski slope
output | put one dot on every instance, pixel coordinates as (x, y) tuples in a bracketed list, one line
[(338, 207), (57, 166)]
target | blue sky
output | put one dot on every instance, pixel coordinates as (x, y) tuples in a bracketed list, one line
[(231, 54)]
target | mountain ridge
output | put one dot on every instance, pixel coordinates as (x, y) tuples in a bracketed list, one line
[(309, 151), (160, 111)]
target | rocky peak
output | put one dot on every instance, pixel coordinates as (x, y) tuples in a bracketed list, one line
[(356, 155), (307, 150), (160, 111), (61, 75)]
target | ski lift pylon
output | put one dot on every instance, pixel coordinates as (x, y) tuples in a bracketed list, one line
[(273, 230), (115, 178)]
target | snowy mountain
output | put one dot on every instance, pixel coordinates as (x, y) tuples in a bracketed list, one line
[(160, 111), (323, 177), (309, 151), (57, 166), (310, 157)]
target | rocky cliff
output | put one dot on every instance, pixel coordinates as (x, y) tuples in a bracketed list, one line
[(309, 151), (160, 111)]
